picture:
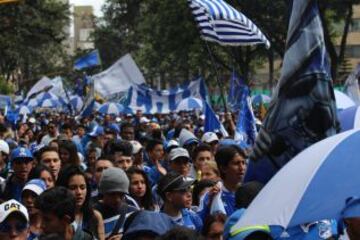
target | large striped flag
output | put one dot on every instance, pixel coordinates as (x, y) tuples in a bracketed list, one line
[(219, 22), (302, 110)]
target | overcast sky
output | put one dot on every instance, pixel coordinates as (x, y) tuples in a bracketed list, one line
[(95, 3)]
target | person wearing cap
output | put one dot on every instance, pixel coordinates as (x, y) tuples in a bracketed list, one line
[(180, 161), (212, 139), (113, 186), (51, 135), (188, 140), (174, 190), (14, 221), (4, 154), (30, 193), (57, 207), (21, 163)]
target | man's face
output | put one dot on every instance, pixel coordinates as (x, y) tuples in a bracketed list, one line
[(69, 133), (157, 153), (22, 168), (52, 129), (14, 228), (113, 199), (52, 224), (202, 158), (122, 161), (81, 131), (180, 165), (100, 166), (52, 160), (179, 199), (128, 134), (235, 170)]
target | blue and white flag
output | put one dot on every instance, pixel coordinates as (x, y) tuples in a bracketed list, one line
[(234, 97), (352, 85), (302, 110), (219, 22), (91, 59), (212, 123), (148, 100)]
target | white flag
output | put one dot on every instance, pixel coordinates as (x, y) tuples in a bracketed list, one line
[(119, 77)]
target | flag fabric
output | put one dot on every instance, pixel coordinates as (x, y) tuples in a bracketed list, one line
[(88, 109), (150, 101), (92, 59), (212, 123), (219, 22), (246, 123), (234, 97), (44, 84), (302, 110), (352, 85), (119, 77)]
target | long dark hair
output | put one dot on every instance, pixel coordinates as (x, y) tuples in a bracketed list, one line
[(147, 200), (89, 219), (71, 148), (36, 172)]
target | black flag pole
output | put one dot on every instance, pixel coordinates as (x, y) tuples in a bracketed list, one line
[(217, 75)]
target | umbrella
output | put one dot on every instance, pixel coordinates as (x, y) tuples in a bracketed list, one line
[(322, 182), (76, 102), (23, 109), (189, 104), (342, 100), (260, 98), (349, 118), (111, 108)]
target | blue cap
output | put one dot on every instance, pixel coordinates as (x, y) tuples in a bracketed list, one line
[(242, 233), (21, 153), (113, 128), (97, 131), (35, 185)]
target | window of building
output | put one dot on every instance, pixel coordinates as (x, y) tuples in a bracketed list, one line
[(355, 25), (353, 51)]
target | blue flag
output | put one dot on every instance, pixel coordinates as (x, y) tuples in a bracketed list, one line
[(88, 109), (91, 59), (212, 123), (302, 110)]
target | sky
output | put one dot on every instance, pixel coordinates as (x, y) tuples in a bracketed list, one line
[(95, 3)]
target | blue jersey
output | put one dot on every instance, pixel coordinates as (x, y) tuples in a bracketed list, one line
[(189, 219)]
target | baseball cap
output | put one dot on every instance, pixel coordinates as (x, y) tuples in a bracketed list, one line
[(209, 137), (35, 185), (178, 152), (144, 120), (12, 206), (4, 147), (173, 182), (242, 234), (32, 120), (21, 153), (172, 144), (97, 131), (136, 146), (186, 137), (113, 180)]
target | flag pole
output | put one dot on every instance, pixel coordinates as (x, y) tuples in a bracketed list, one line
[(219, 83)]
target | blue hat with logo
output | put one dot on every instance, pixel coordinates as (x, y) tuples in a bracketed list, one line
[(21, 153)]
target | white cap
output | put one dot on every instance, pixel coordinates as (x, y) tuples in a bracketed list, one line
[(37, 186), (12, 206), (117, 119), (178, 152), (32, 120), (144, 120), (209, 137), (4, 147), (136, 146)]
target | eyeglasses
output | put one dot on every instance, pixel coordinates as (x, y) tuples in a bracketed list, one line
[(18, 227)]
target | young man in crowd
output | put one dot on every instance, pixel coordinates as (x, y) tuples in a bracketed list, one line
[(122, 152), (57, 206), (51, 135), (179, 161), (14, 221), (175, 192), (49, 156), (21, 163), (201, 155), (127, 131), (113, 186), (100, 166), (155, 152), (211, 139)]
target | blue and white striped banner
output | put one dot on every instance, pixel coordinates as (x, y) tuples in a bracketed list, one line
[(219, 22), (150, 101)]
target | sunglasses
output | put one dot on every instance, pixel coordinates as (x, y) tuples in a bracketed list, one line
[(18, 227)]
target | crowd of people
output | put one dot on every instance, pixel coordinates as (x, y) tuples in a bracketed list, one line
[(134, 177)]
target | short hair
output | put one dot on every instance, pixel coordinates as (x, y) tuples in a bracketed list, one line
[(36, 172), (58, 201), (209, 220), (246, 193), (46, 149), (225, 154), (66, 126), (125, 125), (122, 146), (200, 148), (152, 144)]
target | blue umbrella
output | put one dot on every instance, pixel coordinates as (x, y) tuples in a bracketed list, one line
[(111, 108), (189, 104), (349, 118), (322, 182), (260, 99), (76, 102)]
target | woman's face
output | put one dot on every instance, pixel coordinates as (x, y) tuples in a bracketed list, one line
[(77, 186), (28, 199), (64, 156), (48, 179), (137, 186), (208, 173)]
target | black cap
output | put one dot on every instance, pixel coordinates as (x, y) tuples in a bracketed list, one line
[(173, 182)]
